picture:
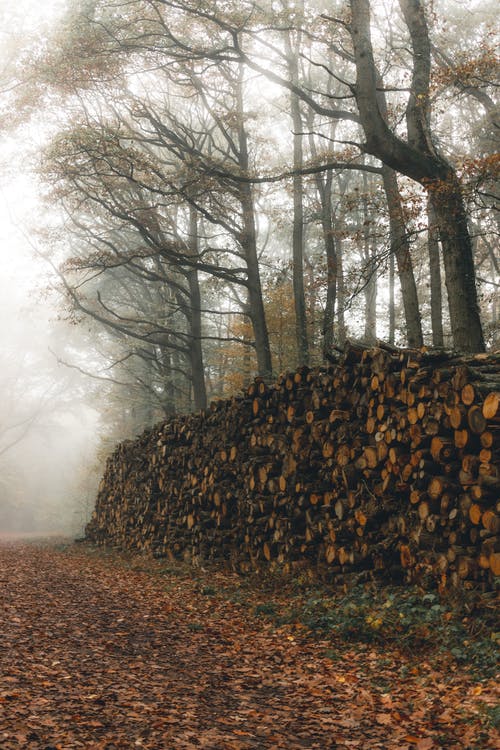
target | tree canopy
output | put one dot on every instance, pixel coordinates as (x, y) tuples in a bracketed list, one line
[(211, 161)]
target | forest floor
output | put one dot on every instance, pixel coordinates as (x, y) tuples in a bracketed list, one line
[(108, 651)]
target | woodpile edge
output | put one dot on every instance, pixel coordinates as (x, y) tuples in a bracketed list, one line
[(385, 463)]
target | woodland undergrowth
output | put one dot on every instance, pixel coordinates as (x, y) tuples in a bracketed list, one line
[(458, 627), (106, 650)]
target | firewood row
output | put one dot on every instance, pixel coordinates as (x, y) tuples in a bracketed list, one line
[(387, 462)]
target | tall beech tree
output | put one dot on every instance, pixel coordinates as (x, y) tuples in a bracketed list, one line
[(416, 157), (434, 277), (292, 50), (214, 184), (183, 84), (419, 159), (131, 270)]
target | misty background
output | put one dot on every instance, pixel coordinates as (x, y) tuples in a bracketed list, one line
[(49, 413), (48, 425), (136, 281)]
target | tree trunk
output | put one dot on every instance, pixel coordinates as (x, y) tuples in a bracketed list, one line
[(392, 301), (370, 292), (257, 313), (331, 286), (168, 384), (400, 248), (451, 218), (435, 278), (298, 210), (370, 265), (324, 190), (341, 326), (195, 349), (298, 239), (142, 410), (247, 370), (248, 241)]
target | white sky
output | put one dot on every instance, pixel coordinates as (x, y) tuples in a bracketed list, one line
[(19, 269), (50, 491), (18, 190), (62, 444)]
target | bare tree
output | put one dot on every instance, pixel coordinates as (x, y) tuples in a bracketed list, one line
[(418, 158)]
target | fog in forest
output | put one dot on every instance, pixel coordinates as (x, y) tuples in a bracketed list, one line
[(188, 200), (49, 413), (47, 424)]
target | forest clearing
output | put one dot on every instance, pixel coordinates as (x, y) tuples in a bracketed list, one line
[(107, 651)]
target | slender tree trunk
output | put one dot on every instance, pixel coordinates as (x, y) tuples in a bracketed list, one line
[(495, 301), (370, 288), (400, 248), (332, 279), (298, 239), (458, 260), (435, 278), (324, 190), (248, 241), (341, 326), (370, 292), (196, 349), (149, 406), (298, 209), (256, 304), (168, 383), (247, 358), (222, 358), (142, 409), (331, 264), (495, 322), (392, 301)]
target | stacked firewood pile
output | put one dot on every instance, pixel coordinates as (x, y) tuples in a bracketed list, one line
[(389, 461)]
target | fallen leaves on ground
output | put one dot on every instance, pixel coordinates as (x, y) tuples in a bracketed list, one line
[(97, 653)]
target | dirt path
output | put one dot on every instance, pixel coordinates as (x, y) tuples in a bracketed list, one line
[(97, 655)]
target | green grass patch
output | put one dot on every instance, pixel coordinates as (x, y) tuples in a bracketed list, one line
[(266, 608), (460, 628), (208, 590), (406, 618), (492, 715), (195, 627)]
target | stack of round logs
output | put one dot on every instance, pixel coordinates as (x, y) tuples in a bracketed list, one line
[(387, 461)]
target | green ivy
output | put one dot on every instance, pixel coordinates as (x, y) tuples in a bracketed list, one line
[(406, 618)]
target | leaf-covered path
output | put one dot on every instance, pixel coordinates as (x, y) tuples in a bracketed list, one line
[(100, 654)]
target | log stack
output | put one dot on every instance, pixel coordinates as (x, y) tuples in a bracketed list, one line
[(388, 461)]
